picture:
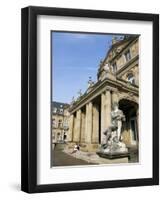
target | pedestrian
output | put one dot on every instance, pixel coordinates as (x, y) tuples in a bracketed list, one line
[(76, 148)]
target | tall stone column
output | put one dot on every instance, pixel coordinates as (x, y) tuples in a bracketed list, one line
[(76, 135), (107, 108), (82, 136), (88, 123), (115, 97), (137, 118), (105, 112), (95, 132), (102, 115), (71, 127), (74, 127)]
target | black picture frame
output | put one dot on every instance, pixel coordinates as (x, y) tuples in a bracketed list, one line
[(29, 99)]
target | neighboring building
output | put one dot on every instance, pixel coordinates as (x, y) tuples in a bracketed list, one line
[(117, 81), (59, 122)]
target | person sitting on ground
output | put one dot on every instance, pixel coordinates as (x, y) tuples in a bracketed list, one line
[(76, 148)]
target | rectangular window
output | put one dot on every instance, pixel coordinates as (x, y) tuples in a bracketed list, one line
[(114, 65), (128, 55)]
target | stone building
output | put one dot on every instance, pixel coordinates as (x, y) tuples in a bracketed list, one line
[(59, 122), (117, 81)]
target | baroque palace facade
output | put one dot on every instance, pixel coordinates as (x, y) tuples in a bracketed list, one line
[(117, 82), (60, 116)]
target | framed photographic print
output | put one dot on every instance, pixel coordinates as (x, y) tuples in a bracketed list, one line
[(90, 99)]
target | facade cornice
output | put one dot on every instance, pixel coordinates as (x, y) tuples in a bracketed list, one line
[(106, 84)]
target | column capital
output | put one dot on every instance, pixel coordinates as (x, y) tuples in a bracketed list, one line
[(108, 88), (111, 89)]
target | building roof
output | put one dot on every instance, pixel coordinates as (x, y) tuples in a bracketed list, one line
[(120, 42), (59, 105)]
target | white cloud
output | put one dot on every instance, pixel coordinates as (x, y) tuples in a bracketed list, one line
[(77, 68), (81, 36)]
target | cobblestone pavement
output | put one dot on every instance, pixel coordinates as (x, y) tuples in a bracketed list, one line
[(59, 158), (134, 156)]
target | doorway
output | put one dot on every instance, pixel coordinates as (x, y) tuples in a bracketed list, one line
[(133, 131), (130, 127)]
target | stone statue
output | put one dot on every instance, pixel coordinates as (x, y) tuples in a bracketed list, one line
[(112, 143), (114, 39), (107, 72), (90, 82), (106, 68), (101, 62), (80, 93), (117, 119)]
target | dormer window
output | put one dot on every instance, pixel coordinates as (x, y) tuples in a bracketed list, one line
[(61, 110), (127, 55), (131, 78), (54, 110)]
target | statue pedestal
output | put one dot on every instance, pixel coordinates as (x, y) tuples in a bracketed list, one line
[(112, 147), (113, 151), (113, 155)]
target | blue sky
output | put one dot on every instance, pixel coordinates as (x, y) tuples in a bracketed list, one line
[(75, 57)]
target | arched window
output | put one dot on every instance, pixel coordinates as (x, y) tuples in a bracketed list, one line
[(58, 136), (64, 136), (60, 123), (127, 55), (114, 67), (131, 78)]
